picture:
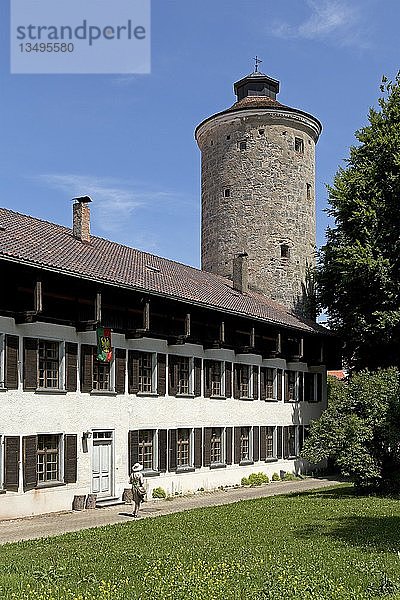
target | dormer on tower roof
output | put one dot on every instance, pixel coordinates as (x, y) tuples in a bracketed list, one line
[(256, 84)]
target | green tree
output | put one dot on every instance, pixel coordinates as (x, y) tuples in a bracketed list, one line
[(359, 431), (358, 274)]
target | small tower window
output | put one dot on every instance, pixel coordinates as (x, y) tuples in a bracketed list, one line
[(212, 143), (242, 145), (261, 131), (308, 191), (299, 145), (228, 137), (227, 193), (285, 251)]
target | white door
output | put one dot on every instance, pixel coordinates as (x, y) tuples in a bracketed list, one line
[(102, 464)]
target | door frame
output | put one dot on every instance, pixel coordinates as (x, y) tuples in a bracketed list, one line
[(111, 439)]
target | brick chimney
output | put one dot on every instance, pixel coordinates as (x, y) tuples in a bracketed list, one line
[(240, 273), (81, 218)]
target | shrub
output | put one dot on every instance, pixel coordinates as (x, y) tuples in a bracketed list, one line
[(289, 477), (244, 481), (275, 477), (255, 479), (159, 492)]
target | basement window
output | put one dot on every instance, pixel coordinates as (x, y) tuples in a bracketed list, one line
[(285, 251)]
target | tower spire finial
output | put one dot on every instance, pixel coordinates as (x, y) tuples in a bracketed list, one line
[(257, 62)]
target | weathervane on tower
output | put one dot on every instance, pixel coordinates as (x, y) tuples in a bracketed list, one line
[(257, 62)]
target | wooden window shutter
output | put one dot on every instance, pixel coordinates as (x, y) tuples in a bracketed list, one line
[(285, 442), (263, 387), (301, 437), (162, 449), (120, 364), (11, 362), (71, 365), (30, 364), (279, 442), (172, 374), (133, 448), (286, 399), (197, 376), (11, 463), (86, 368), (279, 384), (236, 445), (207, 446), (263, 443), (29, 459), (70, 458), (228, 443), (256, 443), (255, 382), (301, 387), (161, 375), (319, 387), (207, 378), (198, 447), (228, 379), (133, 372), (236, 389), (172, 449)]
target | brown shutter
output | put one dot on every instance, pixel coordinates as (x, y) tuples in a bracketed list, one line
[(29, 458), (172, 449), (301, 387), (172, 374), (255, 382), (285, 442), (30, 364), (11, 362), (279, 442), (133, 372), (71, 366), (228, 441), (286, 399), (70, 458), (236, 445), (133, 448), (197, 376), (161, 375), (207, 383), (256, 444), (301, 437), (197, 447), (263, 381), (86, 368), (207, 446), (319, 387), (263, 443), (236, 389), (162, 448), (279, 384), (120, 363), (11, 463), (228, 379)]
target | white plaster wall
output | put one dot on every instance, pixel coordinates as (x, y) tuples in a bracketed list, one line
[(27, 413)]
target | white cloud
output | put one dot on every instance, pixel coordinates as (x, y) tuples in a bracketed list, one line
[(329, 19), (116, 202)]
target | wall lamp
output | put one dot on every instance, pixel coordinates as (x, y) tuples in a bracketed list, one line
[(86, 435)]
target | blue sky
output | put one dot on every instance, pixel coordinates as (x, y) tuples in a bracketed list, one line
[(128, 140)]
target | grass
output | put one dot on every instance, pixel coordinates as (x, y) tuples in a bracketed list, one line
[(328, 544)]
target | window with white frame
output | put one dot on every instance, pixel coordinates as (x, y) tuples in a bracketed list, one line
[(146, 449), (49, 364), (101, 375), (291, 387), (270, 442), (183, 373), (216, 378), (216, 449), (245, 453), (269, 383), (291, 441), (48, 458), (244, 381), (146, 369), (183, 447)]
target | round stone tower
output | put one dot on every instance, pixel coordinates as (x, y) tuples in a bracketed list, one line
[(258, 190)]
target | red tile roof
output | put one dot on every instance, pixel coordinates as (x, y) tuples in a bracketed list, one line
[(49, 246)]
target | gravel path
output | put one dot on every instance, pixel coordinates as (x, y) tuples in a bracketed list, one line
[(51, 524)]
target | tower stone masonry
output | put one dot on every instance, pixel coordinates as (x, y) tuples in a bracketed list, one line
[(258, 190)]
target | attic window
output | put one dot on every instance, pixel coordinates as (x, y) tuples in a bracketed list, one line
[(285, 251), (153, 269), (299, 145)]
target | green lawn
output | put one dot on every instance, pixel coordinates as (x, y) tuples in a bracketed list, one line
[(327, 544)]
